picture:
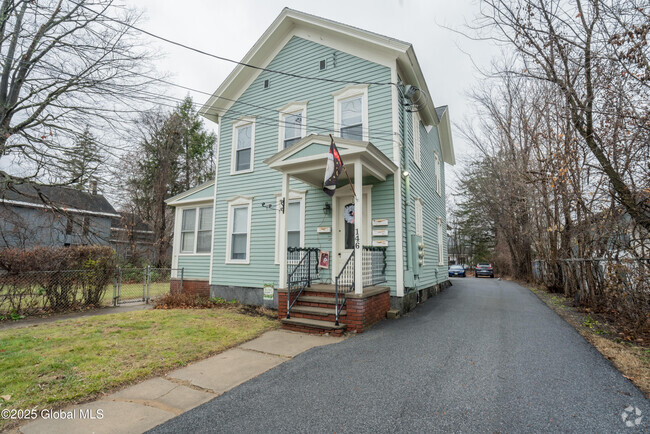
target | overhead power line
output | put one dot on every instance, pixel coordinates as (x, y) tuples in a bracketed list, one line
[(225, 59)]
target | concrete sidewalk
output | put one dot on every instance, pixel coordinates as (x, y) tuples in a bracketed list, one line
[(146, 405)]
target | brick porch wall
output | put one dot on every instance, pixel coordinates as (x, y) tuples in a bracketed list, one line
[(190, 286), (364, 312)]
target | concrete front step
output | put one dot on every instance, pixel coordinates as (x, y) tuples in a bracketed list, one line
[(312, 310), (316, 299), (313, 326)]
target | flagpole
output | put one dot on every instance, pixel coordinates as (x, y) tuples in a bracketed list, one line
[(346, 174)]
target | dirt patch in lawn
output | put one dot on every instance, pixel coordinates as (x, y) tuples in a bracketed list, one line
[(629, 355)]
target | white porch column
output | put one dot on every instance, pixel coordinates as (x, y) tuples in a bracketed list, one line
[(358, 227), (284, 237)]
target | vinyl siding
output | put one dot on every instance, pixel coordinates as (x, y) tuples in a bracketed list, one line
[(194, 266), (301, 57), (423, 185), (205, 193)]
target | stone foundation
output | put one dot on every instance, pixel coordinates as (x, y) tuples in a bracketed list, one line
[(415, 297)]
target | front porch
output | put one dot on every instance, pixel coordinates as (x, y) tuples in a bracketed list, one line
[(352, 296)]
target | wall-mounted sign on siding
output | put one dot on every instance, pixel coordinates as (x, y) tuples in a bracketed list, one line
[(380, 222), (380, 232), (324, 229), (268, 291), (380, 243)]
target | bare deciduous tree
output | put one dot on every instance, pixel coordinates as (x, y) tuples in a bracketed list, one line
[(65, 65)]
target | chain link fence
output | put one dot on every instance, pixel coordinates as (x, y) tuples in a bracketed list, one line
[(40, 292)]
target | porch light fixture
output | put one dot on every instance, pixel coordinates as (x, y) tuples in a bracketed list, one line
[(327, 209), (405, 174)]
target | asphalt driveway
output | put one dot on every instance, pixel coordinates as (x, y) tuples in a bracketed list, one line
[(483, 356)]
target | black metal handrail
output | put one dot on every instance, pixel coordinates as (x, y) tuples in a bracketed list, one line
[(301, 276), (346, 271)]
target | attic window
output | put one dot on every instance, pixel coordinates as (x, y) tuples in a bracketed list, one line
[(322, 65), (266, 84)]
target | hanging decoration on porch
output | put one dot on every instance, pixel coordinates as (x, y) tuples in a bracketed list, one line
[(348, 213), (333, 169)]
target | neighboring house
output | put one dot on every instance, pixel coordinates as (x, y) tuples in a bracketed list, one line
[(231, 235), (41, 215), (132, 238)]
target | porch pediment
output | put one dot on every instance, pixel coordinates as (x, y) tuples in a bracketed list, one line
[(306, 159)]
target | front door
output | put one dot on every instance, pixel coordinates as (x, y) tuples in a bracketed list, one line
[(345, 233)]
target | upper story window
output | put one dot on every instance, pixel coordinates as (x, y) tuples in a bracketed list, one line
[(293, 124), (243, 149), (352, 118), (351, 112), (196, 230)]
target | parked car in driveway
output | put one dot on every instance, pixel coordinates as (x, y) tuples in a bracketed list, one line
[(457, 270), (483, 269)]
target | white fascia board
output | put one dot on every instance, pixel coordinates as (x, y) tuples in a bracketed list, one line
[(176, 199), (358, 42), (66, 209)]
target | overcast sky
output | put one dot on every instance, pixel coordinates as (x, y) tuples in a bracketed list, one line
[(230, 28)]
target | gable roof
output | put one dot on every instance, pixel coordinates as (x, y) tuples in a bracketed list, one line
[(71, 199), (179, 198), (291, 22), (365, 44)]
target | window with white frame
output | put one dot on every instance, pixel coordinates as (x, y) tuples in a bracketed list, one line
[(239, 229), (296, 225), (196, 230), (419, 223), (441, 250), (352, 118), (243, 145), (188, 225), (438, 176), (293, 124), (416, 140), (351, 112), (204, 230)]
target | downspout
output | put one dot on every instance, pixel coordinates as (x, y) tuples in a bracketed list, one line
[(407, 188)]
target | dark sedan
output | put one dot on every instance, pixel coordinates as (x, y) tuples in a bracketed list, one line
[(456, 270), (484, 270)]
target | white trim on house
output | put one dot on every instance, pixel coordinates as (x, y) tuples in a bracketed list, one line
[(64, 208), (240, 123), (294, 195), (438, 175), (441, 247), (172, 201), (416, 140), (397, 185), (214, 200), (349, 92), (239, 202), (289, 109)]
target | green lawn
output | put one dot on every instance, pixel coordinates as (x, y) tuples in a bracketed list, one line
[(66, 361)]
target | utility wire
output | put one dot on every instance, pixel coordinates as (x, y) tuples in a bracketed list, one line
[(205, 53)]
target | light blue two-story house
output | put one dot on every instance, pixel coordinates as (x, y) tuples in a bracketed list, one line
[(264, 232)]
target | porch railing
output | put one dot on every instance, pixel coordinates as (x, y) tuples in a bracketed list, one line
[(343, 284), (302, 270), (374, 265)]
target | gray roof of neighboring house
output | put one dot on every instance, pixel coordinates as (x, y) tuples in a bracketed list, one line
[(63, 197)]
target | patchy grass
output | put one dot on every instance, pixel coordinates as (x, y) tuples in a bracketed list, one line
[(630, 358), (74, 360)]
